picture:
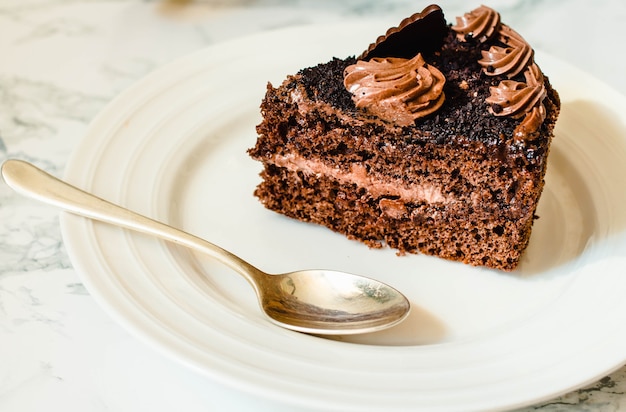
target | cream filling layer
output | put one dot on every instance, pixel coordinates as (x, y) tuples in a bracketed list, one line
[(358, 175)]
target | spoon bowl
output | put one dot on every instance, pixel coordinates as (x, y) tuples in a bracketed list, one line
[(320, 302)]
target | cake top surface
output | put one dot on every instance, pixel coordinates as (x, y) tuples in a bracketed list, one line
[(478, 72), (465, 107)]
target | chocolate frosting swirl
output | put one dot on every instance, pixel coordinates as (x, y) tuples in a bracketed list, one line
[(511, 59), (480, 23), (395, 89), (517, 99), (531, 123)]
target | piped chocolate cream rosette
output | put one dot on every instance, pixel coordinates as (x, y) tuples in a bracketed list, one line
[(396, 90), (519, 99), (510, 59), (391, 80), (479, 24)]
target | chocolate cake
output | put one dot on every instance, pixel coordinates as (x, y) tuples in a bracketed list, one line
[(434, 140)]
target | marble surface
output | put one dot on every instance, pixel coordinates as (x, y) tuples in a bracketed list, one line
[(61, 62)]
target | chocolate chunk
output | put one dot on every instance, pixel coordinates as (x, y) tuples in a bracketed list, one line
[(420, 33)]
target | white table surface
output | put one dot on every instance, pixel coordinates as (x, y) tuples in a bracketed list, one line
[(61, 62)]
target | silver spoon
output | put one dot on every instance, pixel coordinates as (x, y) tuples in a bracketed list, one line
[(312, 301)]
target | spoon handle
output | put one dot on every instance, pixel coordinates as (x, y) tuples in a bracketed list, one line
[(26, 179)]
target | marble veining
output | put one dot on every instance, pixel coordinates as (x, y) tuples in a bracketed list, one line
[(61, 62)]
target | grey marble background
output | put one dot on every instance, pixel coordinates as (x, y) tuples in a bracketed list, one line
[(61, 62)]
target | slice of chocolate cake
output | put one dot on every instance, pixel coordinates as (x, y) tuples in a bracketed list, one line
[(434, 140)]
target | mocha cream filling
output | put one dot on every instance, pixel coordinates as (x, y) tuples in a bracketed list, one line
[(358, 175)]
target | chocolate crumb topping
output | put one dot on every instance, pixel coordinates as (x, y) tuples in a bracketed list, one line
[(466, 90)]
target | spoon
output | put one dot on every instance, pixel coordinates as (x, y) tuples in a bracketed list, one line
[(320, 302)]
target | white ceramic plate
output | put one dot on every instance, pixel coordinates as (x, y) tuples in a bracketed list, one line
[(174, 147)]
